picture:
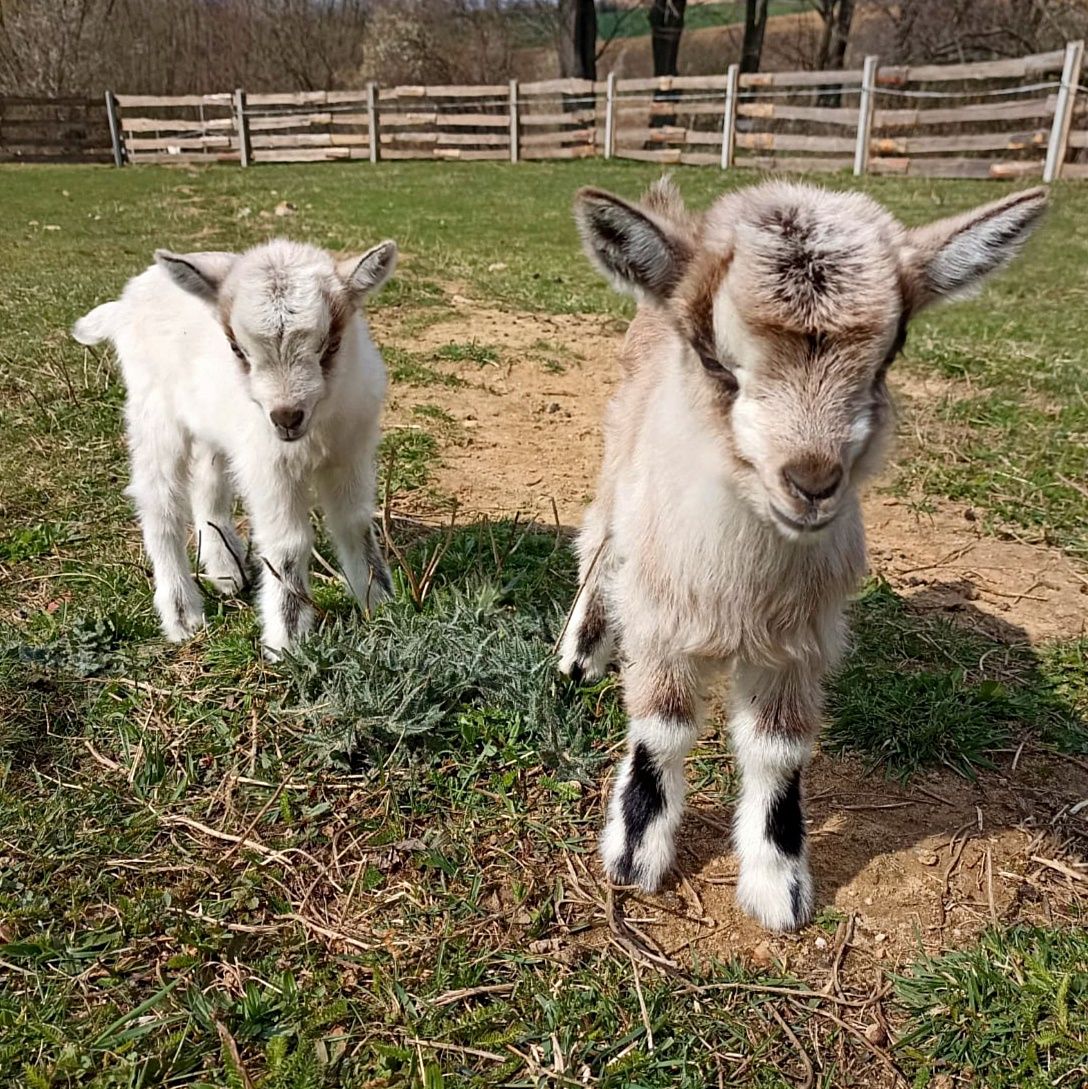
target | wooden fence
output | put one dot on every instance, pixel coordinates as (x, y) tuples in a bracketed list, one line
[(1023, 117), (37, 130)]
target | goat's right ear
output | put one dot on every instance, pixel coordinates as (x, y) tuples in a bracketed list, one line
[(634, 249), (201, 274)]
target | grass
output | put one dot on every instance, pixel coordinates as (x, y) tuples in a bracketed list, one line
[(372, 864)]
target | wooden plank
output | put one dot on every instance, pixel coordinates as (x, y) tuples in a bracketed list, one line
[(1075, 171), (443, 90), (178, 125), (821, 164), (1012, 110), (672, 83), (175, 101), (786, 141), (512, 110), (665, 155), (567, 136), (373, 122), (964, 141), (575, 117), (393, 120), (579, 151), (848, 79), (311, 139), (245, 148), (1077, 139), (558, 87), (295, 121), (461, 139), (186, 159), (186, 143), (1015, 67), (301, 155), (826, 115), (610, 116), (394, 153), (295, 98), (473, 120), (957, 168), (650, 108)]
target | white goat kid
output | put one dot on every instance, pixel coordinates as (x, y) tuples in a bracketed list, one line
[(727, 528), (252, 372)]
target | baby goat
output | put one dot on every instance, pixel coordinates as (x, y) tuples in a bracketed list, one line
[(254, 372), (727, 529)]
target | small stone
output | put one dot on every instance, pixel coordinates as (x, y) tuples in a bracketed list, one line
[(868, 901), (553, 407), (970, 515), (927, 858), (498, 266), (762, 955), (880, 938), (821, 942), (875, 1034), (286, 208)]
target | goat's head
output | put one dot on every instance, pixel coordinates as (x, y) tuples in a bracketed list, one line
[(283, 307), (790, 303)]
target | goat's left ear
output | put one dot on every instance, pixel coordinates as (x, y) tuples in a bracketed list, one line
[(201, 274), (364, 275), (951, 258)]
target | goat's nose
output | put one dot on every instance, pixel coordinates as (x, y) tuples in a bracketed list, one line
[(812, 480), (287, 418)]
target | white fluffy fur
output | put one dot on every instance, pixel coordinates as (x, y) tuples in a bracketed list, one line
[(200, 430)]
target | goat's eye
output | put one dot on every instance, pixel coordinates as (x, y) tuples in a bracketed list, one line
[(329, 352), (714, 366), (239, 354)]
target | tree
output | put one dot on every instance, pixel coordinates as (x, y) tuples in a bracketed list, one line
[(666, 26), (578, 39), (837, 16), (755, 24)]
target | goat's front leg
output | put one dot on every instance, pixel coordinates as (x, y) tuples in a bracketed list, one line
[(347, 498), (775, 718), (639, 842), (219, 549), (283, 537)]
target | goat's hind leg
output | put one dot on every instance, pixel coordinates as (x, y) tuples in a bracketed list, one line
[(220, 551), (647, 801), (589, 640), (775, 717), (159, 453)]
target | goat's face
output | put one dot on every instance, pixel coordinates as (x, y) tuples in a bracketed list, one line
[(789, 304), (283, 308)]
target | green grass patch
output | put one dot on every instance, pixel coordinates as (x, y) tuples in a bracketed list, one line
[(1012, 1009)]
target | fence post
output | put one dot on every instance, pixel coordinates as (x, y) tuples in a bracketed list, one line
[(729, 121), (241, 126), (513, 120), (116, 139), (372, 121), (865, 116), (610, 116), (1058, 142)]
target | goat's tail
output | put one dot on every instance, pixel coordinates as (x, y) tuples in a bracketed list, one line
[(98, 325)]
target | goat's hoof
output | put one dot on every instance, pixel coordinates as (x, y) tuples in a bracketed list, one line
[(181, 613), (583, 668), (646, 865), (779, 898)]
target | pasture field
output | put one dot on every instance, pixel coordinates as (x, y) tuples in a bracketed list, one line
[(373, 864)]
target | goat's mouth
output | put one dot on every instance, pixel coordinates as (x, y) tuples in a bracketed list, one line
[(290, 434), (798, 525)]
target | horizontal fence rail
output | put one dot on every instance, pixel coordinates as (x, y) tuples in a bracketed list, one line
[(1016, 118)]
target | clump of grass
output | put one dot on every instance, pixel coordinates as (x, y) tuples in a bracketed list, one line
[(481, 354), (1013, 1009), (917, 692), (413, 370), (406, 460)]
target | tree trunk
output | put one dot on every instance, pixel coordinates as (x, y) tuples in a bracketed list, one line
[(837, 18), (577, 39), (755, 23), (666, 26)]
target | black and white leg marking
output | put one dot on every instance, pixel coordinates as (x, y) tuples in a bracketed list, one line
[(638, 846), (774, 720), (589, 641)]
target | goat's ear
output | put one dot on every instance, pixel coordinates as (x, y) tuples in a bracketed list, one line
[(364, 275), (638, 251), (950, 259), (201, 274)]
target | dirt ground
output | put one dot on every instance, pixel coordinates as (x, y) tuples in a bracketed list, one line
[(909, 869)]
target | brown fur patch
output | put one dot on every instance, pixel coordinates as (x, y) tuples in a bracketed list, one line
[(664, 692)]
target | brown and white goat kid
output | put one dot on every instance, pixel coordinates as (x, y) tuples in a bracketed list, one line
[(727, 529), (252, 372)]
